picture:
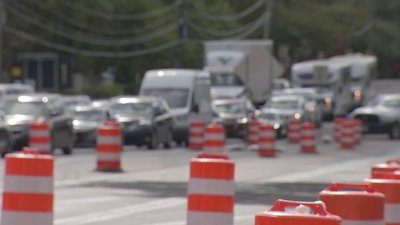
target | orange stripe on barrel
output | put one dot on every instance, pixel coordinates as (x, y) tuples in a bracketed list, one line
[(29, 165), (28, 202), (355, 206), (214, 143), (43, 140), (210, 203), (40, 126), (212, 168), (390, 188), (109, 131), (109, 148)]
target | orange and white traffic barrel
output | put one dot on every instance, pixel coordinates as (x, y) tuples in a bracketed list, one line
[(214, 138), (390, 187), (267, 139), (308, 138), (39, 136), (347, 135), (386, 175), (310, 213), (388, 166), (109, 148), (357, 131), (253, 133), (294, 132), (28, 189), (337, 128), (354, 203), (196, 134), (211, 190)]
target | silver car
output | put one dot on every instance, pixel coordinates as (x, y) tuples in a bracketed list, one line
[(21, 110), (287, 106), (86, 122), (313, 106), (381, 115)]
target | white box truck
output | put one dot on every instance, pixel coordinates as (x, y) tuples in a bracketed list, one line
[(241, 68)]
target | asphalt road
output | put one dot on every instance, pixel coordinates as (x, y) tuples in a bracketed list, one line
[(152, 187)]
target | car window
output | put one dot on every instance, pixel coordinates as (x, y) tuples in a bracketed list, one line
[(230, 107), (25, 108), (392, 103), (175, 97)]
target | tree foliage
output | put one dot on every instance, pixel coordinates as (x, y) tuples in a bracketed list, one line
[(309, 29)]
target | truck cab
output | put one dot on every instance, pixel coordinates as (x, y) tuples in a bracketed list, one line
[(186, 91)]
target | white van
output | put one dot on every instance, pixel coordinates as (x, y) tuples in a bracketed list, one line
[(187, 92)]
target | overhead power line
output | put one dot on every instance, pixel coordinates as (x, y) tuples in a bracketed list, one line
[(103, 34), (104, 54), (119, 16), (84, 38), (228, 18)]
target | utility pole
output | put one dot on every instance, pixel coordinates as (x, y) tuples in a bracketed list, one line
[(2, 24), (182, 31), (269, 4)]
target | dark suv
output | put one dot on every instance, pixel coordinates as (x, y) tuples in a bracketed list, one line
[(20, 111), (144, 120)]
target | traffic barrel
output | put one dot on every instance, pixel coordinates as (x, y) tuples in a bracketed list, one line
[(354, 203), (39, 136), (267, 139), (308, 138), (196, 134), (357, 131), (347, 135), (253, 134), (294, 132), (214, 138), (28, 189), (337, 128), (109, 149), (390, 187), (386, 175), (211, 193), (388, 166), (304, 213)]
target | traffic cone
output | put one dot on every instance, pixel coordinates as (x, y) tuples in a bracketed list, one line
[(294, 133), (196, 134), (347, 135), (253, 134), (308, 138), (266, 142), (214, 138), (211, 193), (305, 213), (39, 137), (109, 149), (28, 189), (362, 204)]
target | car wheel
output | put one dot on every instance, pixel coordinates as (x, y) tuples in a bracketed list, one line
[(152, 143), (5, 145), (168, 142), (395, 131), (67, 150)]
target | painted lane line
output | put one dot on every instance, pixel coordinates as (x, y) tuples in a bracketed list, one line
[(102, 216)]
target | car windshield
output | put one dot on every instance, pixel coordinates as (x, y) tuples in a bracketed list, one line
[(89, 115), (230, 107), (24, 108), (269, 116), (380, 101), (225, 79), (142, 109), (283, 104), (175, 98)]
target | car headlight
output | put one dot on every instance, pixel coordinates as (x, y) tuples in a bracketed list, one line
[(311, 109), (297, 115), (242, 120), (276, 126), (328, 101), (357, 94)]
